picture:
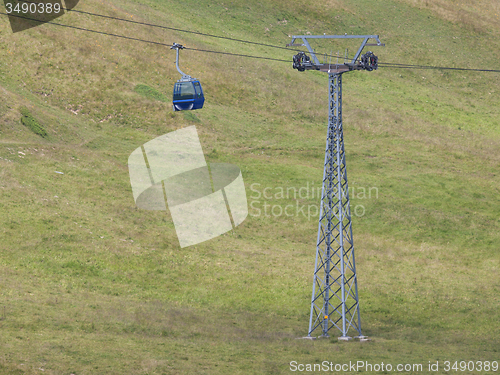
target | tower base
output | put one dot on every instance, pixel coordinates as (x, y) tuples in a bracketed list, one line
[(345, 338), (363, 338)]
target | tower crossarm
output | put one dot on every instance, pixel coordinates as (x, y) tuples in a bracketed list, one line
[(303, 62)]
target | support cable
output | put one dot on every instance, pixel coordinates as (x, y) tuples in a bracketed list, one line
[(381, 64), (406, 66), (146, 41), (169, 28)]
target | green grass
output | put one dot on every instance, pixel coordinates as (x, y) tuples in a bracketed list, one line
[(91, 284), (150, 93)]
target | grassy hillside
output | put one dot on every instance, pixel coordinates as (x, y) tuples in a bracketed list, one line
[(89, 284)]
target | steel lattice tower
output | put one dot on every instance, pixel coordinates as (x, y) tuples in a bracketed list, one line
[(335, 301)]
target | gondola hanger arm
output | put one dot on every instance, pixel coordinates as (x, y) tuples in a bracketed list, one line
[(178, 47)]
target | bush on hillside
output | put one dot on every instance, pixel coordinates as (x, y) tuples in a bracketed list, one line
[(32, 123)]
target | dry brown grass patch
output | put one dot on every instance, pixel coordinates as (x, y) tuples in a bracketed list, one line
[(476, 15)]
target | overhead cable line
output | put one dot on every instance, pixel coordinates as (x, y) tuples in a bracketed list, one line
[(170, 28), (174, 29), (146, 41), (382, 64), (408, 66)]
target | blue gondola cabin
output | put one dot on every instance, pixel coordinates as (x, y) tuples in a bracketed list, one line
[(188, 95)]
